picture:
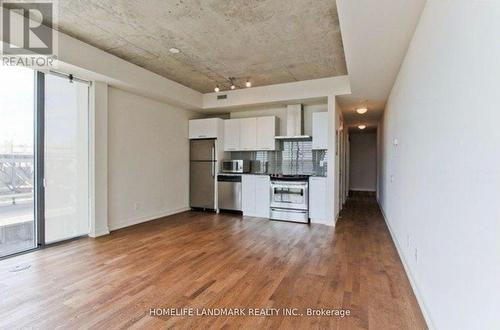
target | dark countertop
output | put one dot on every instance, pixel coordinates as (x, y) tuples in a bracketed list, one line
[(310, 175)]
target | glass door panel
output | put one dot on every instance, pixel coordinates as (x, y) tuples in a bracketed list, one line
[(17, 135), (66, 160)]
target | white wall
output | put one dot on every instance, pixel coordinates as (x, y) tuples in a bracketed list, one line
[(334, 151), (278, 93), (443, 204), (148, 159), (363, 163), (98, 157)]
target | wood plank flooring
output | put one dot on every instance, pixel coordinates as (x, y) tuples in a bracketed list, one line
[(198, 260)]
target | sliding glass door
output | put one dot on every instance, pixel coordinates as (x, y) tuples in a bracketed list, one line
[(44, 159), (17, 160), (66, 159)]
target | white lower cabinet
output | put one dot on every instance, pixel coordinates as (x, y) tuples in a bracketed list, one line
[(256, 195), (248, 194), (262, 196), (317, 199)]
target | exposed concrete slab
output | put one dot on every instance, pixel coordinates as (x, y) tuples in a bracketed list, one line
[(269, 42)]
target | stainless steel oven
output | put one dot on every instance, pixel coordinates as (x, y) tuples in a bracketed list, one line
[(290, 200), (235, 166)]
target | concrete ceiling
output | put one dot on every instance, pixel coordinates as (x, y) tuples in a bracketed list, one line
[(376, 37), (270, 42)]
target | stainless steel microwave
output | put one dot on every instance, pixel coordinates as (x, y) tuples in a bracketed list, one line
[(235, 166)]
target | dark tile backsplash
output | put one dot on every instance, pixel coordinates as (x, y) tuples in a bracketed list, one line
[(292, 157)]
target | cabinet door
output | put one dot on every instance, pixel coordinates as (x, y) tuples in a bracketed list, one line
[(248, 136), (203, 128), (232, 135), (266, 132), (317, 199), (320, 130), (248, 194), (262, 196)]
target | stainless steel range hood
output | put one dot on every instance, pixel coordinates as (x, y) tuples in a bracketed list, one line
[(294, 124)]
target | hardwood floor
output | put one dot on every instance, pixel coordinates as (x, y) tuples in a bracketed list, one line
[(216, 261)]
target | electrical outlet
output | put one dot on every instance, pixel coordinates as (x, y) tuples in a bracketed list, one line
[(137, 206), (416, 255), (407, 241), (392, 178)]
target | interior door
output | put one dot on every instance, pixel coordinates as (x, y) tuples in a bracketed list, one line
[(202, 184)]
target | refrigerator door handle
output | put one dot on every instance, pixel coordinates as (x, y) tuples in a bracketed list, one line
[(213, 162)]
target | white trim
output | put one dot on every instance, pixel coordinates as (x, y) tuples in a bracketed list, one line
[(146, 218), (418, 295), (322, 222), (100, 232)]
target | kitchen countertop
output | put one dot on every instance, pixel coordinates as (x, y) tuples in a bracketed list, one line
[(310, 175)]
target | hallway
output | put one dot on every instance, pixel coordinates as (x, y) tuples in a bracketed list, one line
[(375, 280)]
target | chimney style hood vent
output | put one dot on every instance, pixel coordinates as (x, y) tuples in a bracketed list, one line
[(294, 124)]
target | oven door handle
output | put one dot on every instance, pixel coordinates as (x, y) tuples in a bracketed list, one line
[(276, 192), (301, 185)]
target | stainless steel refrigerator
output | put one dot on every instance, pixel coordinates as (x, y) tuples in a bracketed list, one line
[(202, 173)]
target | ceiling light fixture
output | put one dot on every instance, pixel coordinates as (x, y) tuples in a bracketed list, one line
[(248, 84), (217, 89), (362, 126), (174, 50), (361, 110), (233, 86)]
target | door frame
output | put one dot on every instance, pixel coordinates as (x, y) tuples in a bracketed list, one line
[(39, 158)]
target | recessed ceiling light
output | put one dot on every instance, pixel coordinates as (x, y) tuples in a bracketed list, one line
[(362, 126), (248, 84), (174, 50), (361, 110), (217, 89)]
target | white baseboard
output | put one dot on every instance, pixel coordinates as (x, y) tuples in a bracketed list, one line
[(322, 222), (420, 299), (99, 232), (135, 221)]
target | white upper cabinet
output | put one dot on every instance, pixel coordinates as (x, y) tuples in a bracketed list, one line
[(248, 137), (204, 128), (232, 135), (250, 134), (320, 130), (266, 132)]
